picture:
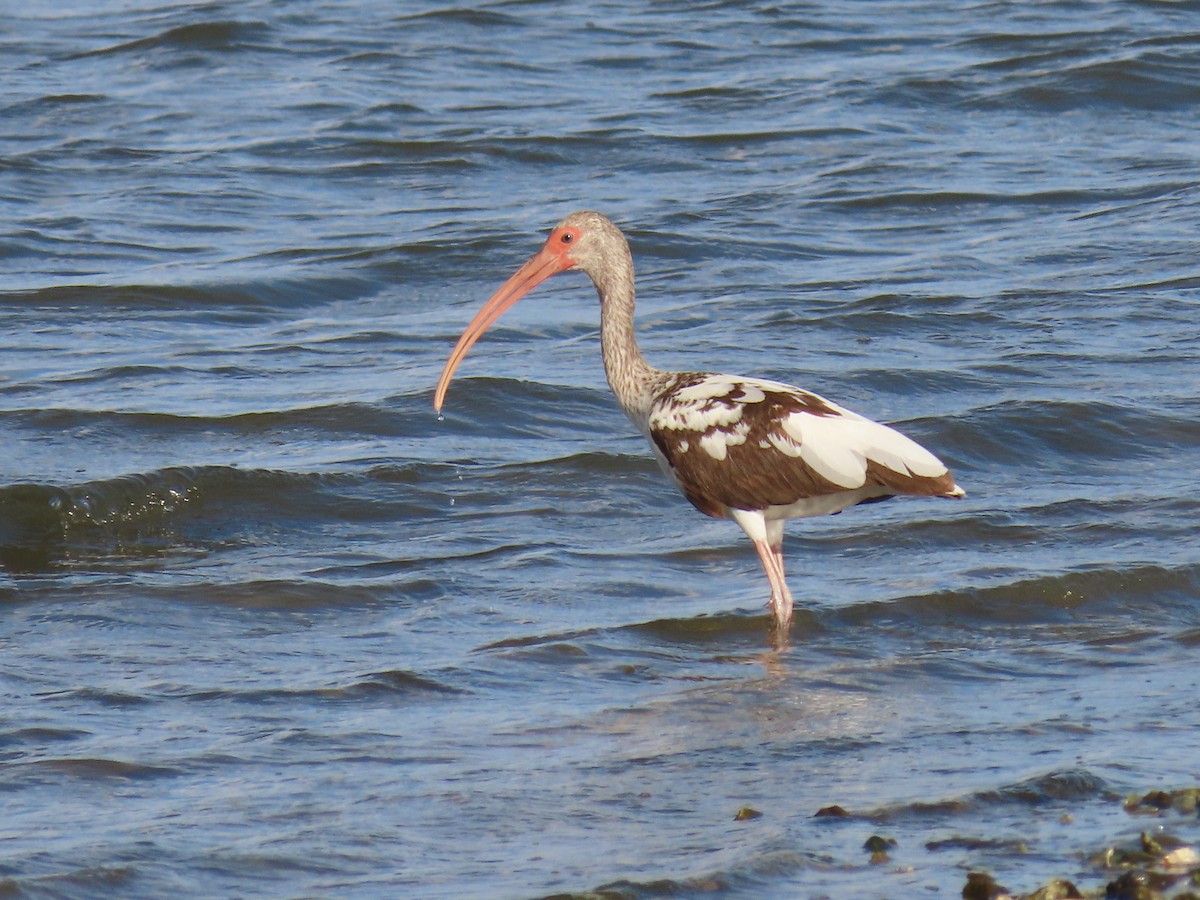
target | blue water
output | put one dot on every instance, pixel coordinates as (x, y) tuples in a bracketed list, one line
[(269, 627)]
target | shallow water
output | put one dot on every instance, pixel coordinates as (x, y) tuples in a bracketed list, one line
[(269, 627)]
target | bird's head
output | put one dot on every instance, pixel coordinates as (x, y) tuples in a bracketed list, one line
[(577, 242)]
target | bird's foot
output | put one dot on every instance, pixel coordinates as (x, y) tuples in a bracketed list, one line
[(781, 614)]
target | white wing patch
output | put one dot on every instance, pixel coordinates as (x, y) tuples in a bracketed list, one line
[(828, 447), (716, 443), (750, 393), (839, 447), (691, 408), (708, 389)]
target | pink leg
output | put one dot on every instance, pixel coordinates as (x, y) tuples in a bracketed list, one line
[(781, 597), (768, 542)]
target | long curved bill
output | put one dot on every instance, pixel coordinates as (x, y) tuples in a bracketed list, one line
[(541, 265)]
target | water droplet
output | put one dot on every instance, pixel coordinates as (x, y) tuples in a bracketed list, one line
[(441, 418)]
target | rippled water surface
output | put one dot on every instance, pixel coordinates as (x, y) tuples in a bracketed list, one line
[(269, 627)]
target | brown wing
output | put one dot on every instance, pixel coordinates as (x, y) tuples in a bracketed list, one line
[(750, 444)]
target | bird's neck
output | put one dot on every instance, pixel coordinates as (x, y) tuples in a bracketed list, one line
[(632, 379)]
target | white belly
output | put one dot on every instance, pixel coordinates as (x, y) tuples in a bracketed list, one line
[(825, 505)]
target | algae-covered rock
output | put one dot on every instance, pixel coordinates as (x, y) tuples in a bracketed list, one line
[(831, 812), (1154, 803), (879, 847), (982, 886), (1057, 889)]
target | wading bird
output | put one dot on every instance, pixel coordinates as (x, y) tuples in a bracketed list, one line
[(758, 452)]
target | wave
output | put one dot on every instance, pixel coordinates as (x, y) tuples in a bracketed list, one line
[(229, 35), (396, 684), (1079, 431), (1153, 81), (1054, 73), (1161, 597), (463, 15), (1049, 789), (339, 418), (1049, 199), (89, 769), (86, 881), (40, 522), (1099, 603), (230, 303), (124, 520)]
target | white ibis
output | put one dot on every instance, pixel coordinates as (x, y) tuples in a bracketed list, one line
[(758, 452)]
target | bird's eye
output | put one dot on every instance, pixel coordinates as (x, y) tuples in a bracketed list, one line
[(567, 237)]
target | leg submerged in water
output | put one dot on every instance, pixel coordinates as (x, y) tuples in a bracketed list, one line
[(768, 542)]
